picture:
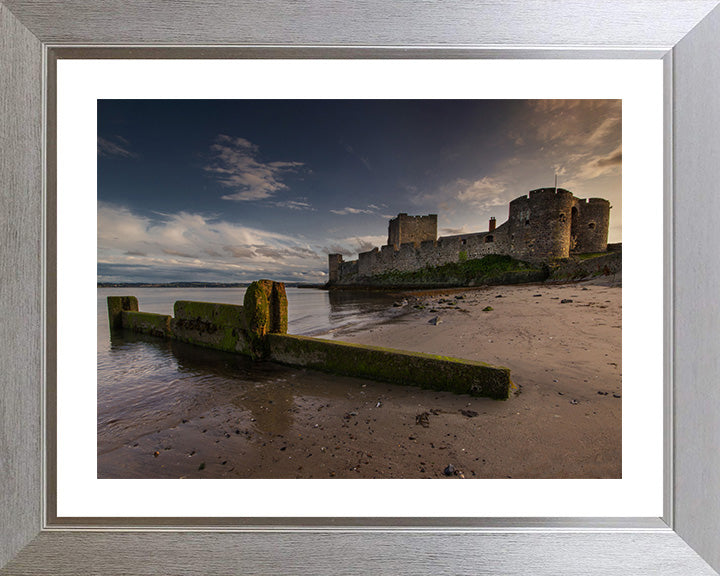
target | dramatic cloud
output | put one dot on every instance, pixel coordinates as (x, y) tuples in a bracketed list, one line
[(115, 146), (236, 165), (200, 248)]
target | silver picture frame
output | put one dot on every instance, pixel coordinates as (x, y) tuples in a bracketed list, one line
[(684, 34)]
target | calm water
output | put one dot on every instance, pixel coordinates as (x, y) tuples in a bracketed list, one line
[(147, 383)]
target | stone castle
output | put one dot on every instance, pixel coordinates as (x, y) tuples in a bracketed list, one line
[(545, 225)]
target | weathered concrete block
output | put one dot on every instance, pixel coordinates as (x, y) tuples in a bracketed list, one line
[(265, 306), (147, 323), (116, 305), (218, 326), (395, 366)]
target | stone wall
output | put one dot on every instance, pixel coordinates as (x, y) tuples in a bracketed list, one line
[(411, 256), (546, 225)]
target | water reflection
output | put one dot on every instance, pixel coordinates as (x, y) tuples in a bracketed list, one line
[(147, 384)]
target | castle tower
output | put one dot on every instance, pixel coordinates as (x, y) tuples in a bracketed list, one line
[(416, 229), (590, 224), (334, 262), (539, 224)]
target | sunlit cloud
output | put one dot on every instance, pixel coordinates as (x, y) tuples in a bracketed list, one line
[(191, 243), (236, 164)]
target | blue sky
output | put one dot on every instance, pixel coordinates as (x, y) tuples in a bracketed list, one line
[(235, 190)]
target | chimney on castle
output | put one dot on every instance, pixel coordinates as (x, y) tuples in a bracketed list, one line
[(491, 226)]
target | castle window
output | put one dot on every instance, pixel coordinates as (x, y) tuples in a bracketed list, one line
[(562, 217), (489, 239), (527, 222), (591, 225), (463, 241)]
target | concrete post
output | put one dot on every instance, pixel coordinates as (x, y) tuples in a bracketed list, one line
[(116, 306)]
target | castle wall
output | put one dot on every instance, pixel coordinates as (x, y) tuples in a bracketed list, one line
[(411, 256), (546, 224), (412, 229), (590, 223)]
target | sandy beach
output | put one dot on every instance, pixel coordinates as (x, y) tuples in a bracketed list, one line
[(563, 420)]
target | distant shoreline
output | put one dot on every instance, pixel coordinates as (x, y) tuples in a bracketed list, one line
[(194, 285)]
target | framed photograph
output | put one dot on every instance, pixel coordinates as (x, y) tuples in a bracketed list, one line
[(240, 107)]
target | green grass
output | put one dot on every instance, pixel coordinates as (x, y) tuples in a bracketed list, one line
[(589, 255), (491, 269)]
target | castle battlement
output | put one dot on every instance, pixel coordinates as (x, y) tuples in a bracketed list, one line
[(543, 225)]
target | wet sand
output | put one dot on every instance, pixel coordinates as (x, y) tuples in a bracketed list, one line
[(562, 421)]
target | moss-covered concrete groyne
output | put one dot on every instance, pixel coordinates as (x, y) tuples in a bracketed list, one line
[(258, 329), (388, 365)]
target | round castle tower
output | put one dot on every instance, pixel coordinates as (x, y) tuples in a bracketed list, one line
[(590, 223), (539, 224)]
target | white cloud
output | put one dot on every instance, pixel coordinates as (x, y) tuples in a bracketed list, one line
[(294, 205), (186, 242), (348, 210), (236, 165)]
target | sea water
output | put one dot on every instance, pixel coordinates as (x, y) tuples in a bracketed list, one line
[(144, 383)]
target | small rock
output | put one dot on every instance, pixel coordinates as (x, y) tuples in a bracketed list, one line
[(435, 321), (617, 396), (423, 419), (574, 402), (602, 393), (156, 454), (469, 413), (460, 297), (499, 296), (584, 288), (449, 470), (537, 295), (487, 309), (566, 301), (202, 466)]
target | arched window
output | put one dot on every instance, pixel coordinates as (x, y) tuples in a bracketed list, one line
[(591, 225), (489, 239)]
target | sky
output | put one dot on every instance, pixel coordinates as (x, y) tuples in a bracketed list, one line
[(237, 190)]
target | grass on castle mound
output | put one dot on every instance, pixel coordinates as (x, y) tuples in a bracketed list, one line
[(491, 269)]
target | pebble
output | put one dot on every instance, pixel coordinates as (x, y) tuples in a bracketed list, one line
[(435, 321), (449, 470), (566, 301)]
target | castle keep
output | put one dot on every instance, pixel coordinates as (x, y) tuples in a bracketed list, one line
[(547, 224)]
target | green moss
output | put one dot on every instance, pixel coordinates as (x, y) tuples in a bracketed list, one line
[(147, 323), (462, 257), (487, 309), (116, 306), (590, 255), (491, 269), (395, 366)]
